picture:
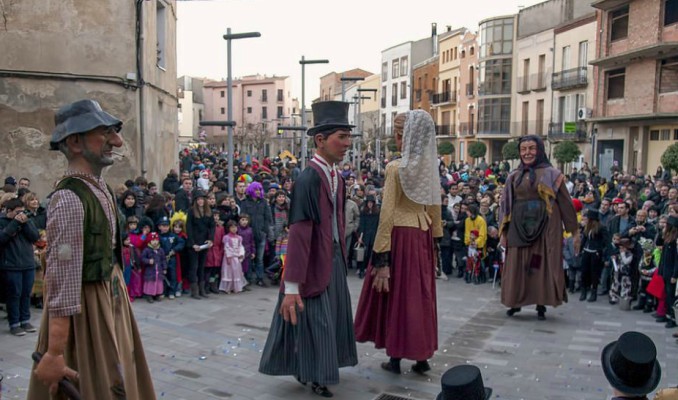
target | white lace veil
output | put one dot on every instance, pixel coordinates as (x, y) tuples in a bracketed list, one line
[(419, 164)]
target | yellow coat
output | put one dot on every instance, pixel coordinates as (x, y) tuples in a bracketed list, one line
[(479, 225)]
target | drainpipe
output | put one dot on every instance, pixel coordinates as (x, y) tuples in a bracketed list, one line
[(140, 84)]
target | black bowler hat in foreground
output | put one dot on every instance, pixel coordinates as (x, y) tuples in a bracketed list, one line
[(329, 116), (80, 117), (630, 364), (463, 382)]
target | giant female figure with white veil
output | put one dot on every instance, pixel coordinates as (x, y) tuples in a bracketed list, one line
[(397, 308)]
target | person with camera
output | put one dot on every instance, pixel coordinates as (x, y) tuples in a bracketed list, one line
[(17, 235)]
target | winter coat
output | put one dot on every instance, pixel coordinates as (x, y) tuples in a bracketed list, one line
[(261, 221), (16, 244), (352, 215), (159, 262), (171, 184), (199, 229), (172, 244), (215, 254)]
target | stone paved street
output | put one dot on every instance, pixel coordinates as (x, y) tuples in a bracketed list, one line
[(210, 349)]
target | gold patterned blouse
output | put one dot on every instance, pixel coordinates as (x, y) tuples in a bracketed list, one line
[(398, 210)]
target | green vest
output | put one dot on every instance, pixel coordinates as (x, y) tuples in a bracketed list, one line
[(98, 256)]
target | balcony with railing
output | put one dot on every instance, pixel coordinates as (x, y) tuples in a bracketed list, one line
[(444, 98), (523, 85), (529, 127), (470, 89), (575, 131), (444, 130), (539, 81), (570, 79), (466, 129), (494, 127)]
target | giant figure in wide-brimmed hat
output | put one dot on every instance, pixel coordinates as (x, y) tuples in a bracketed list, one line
[(311, 334), (88, 332)]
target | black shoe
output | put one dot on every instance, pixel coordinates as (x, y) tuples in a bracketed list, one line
[(149, 299), (261, 283), (246, 288), (391, 366), (638, 307), (421, 367), (647, 310), (593, 296), (541, 313), (512, 311), (583, 294), (299, 380), (361, 274), (669, 324), (28, 327), (613, 302), (320, 390), (661, 319)]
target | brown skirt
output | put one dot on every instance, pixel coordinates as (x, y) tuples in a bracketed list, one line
[(104, 346)]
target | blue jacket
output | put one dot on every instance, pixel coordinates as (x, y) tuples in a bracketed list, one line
[(170, 241)]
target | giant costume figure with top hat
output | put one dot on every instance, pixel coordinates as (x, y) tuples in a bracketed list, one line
[(311, 334)]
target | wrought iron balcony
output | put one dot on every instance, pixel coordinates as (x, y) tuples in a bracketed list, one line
[(575, 131), (466, 129), (444, 130), (570, 78), (444, 98), (470, 90)]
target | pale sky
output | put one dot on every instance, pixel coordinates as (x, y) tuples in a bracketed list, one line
[(349, 33)]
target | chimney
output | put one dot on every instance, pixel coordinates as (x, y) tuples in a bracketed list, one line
[(434, 38)]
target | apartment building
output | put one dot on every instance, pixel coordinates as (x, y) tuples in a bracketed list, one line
[(331, 85), (635, 116), (468, 87), (191, 109), (424, 84), (444, 100), (396, 77), (126, 63), (495, 60), (572, 83), (260, 104)]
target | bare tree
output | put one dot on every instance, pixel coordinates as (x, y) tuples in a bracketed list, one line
[(259, 137)]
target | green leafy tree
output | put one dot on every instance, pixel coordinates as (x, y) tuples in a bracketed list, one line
[(391, 145), (445, 148), (566, 152), (669, 159), (477, 149), (510, 151)]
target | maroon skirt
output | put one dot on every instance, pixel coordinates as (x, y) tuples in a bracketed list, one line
[(404, 321)]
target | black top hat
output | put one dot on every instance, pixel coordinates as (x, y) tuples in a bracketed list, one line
[(329, 116), (463, 382), (630, 364), (80, 117)]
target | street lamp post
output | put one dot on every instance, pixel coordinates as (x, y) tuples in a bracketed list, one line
[(229, 37), (357, 144), (303, 63), (345, 79)]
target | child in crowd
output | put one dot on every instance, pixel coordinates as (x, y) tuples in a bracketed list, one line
[(140, 237), (275, 269), (155, 267), (621, 284), (179, 229), (473, 259), (215, 255), (647, 268), (245, 232), (134, 287), (232, 277), (40, 256), (493, 257), (171, 244)]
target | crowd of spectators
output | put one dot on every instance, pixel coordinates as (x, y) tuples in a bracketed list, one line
[(191, 210)]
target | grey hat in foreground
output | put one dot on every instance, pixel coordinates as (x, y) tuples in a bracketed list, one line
[(80, 117)]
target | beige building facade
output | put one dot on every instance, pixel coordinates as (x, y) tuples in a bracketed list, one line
[(444, 100), (468, 104), (77, 51), (191, 109), (260, 104)]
